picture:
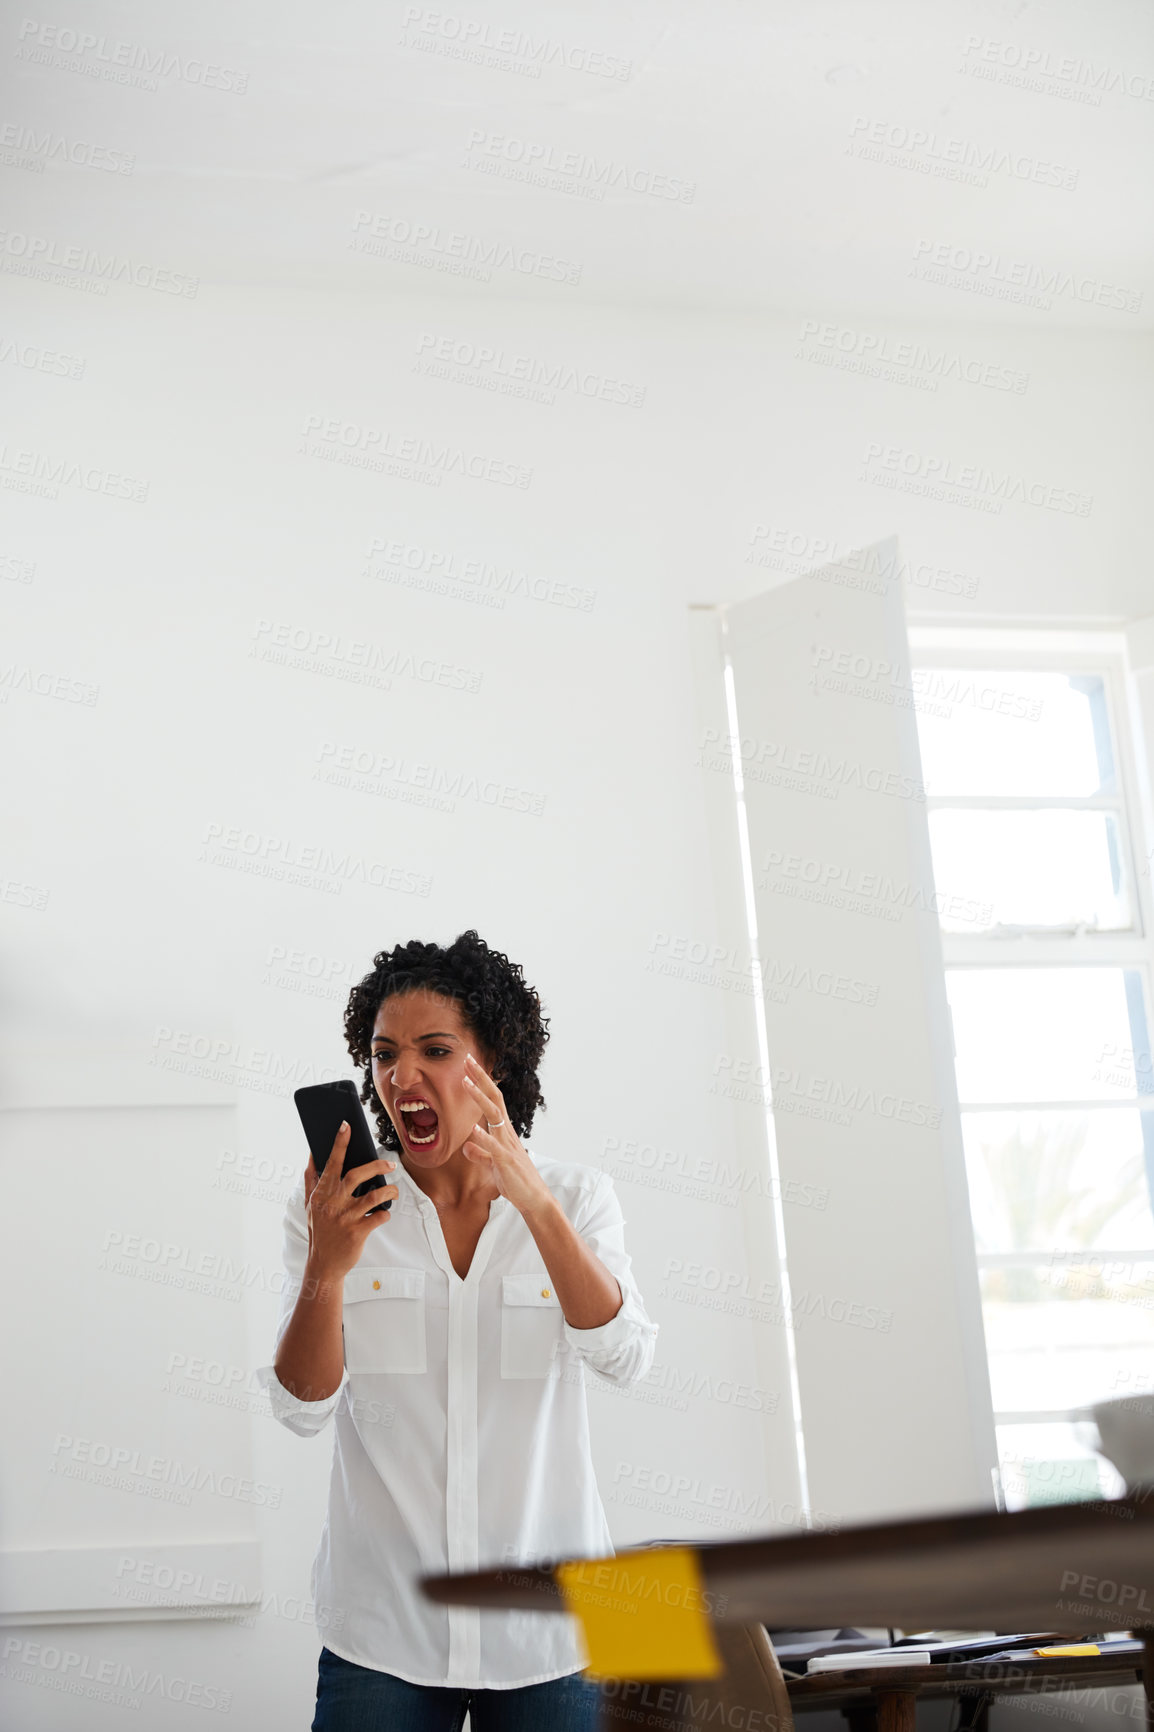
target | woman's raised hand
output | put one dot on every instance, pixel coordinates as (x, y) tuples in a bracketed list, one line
[(495, 1145)]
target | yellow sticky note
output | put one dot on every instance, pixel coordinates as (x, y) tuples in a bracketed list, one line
[(1071, 1648), (643, 1615)]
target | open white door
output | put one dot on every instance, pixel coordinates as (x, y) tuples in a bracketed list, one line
[(854, 1049)]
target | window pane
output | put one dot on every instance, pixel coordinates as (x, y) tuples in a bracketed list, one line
[(984, 732), (1052, 1464), (1049, 1353), (1035, 869), (1058, 1183), (1043, 1034)]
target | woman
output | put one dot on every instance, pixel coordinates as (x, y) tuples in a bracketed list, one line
[(449, 1337)]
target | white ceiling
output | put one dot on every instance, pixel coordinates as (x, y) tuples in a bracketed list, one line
[(755, 105)]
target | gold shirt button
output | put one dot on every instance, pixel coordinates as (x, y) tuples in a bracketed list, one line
[(376, 1284), (545, 1293)]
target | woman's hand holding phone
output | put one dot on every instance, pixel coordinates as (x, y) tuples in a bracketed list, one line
[(339, 1223)]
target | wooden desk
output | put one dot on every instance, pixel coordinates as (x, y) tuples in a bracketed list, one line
[(1066, 1567), (877, 1700)]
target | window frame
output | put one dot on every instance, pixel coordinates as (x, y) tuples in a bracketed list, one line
[(1008, 650), (1082, 653)]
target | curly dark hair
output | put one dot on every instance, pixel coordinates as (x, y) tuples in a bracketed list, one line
[(496, 1001)]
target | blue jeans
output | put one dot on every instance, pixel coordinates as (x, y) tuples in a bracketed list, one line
[(353, 1698)]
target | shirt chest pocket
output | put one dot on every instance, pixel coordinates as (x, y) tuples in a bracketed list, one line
[(531, 1325), (384, 1320)]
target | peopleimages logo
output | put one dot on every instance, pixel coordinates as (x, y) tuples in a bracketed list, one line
[(312, 865), (1035, 68), (442, 570), (824, 560), (259, 1061), (37, 360), (376, 448), (126, 1464), (39, 682), (492, 368), (42, 147), (427, 244), (506, 50), (796, 766), (1015, 280), (46, 472), (420, 783), (925, 470), (781, 1085), (116, 61), (356, 659), (160, 1584), (708, 1501), (36, 252), (120, 1683), (571, 171), (879, 354), (928, 152)]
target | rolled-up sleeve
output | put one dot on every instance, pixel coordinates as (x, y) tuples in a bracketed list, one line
[(622, 1349), (306, 1418)]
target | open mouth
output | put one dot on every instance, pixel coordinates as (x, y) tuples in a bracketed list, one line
[(419, 1125)]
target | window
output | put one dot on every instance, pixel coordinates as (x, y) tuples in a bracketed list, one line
[(1043, 893)]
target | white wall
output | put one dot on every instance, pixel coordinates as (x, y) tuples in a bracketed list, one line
[(150, 943)]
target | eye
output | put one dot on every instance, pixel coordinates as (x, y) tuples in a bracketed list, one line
[(386, 1057)]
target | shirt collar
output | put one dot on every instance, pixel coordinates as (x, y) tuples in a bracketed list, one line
[(412, 1196)]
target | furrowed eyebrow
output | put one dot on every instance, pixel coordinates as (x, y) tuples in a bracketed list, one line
[(437, 1034)]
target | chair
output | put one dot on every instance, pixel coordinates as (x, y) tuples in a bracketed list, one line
[(749, 1693)]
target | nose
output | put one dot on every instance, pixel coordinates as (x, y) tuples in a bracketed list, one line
[(405, 1073)]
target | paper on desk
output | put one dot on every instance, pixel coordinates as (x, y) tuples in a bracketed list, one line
[(870, 1661)]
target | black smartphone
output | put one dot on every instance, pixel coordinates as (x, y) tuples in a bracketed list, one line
[(322, 1107)]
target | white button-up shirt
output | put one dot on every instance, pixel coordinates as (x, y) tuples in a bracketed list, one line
[(462, 1435)]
